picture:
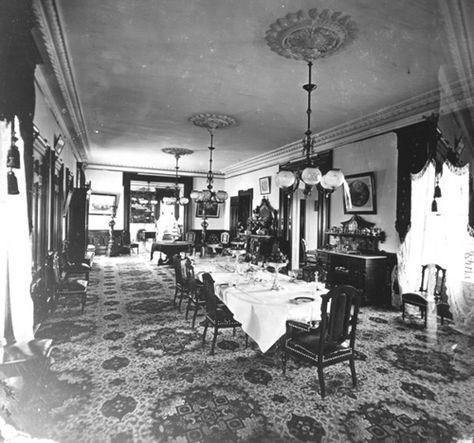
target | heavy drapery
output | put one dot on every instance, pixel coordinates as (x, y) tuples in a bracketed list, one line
[(440, 237), (16, 306)]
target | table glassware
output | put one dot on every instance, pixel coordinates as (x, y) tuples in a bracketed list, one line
[(277, 267)]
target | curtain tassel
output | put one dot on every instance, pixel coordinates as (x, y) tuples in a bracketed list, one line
[(434, 206), (12, 183), (13, 155)]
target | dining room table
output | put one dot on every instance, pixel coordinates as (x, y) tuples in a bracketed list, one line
[(169, 248), (260, 300)]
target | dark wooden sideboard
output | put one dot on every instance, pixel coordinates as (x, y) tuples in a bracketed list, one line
[(371, 273)]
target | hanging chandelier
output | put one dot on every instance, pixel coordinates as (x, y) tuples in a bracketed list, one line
[(176, 198), (211, 122), (307, 37)]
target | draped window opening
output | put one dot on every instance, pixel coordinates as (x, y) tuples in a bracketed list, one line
[(440, 237), (16, 306)]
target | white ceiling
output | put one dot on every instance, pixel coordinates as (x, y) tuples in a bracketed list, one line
[(143, 67)]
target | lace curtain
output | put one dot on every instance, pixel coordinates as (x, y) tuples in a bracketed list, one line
[(440, 237), (16, 305)]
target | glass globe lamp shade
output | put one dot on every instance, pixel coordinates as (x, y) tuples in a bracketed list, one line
[(221, 196), (311, 175), (183, 201), (285, 179), (195, 195), (206, 195), (332, 179)]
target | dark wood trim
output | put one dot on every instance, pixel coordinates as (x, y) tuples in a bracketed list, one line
[(133, 176)]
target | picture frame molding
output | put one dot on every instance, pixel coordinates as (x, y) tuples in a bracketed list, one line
[(371, 207), (110, 209), (214, 214), (265, 185)]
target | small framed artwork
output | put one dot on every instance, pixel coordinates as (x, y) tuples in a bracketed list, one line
[(265, 183), (362, 192), (102, 204), (210, 210)]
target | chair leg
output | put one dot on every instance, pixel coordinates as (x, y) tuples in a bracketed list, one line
[(180, 299), (233, 332), (196, 309), (187, 308), (322, 386), (214, 339), (206, 324), (426, 317), (403, 310), (353, 372), (175, 295)]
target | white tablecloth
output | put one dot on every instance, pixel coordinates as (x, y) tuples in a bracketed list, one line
[(261, 311)]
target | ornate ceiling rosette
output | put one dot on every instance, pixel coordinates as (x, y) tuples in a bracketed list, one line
[(212, 121), (312, 35), (177, 152)]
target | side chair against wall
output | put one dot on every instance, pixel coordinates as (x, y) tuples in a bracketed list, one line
[(420, 298), (60, 286), (73, 269), (218, 315), (196, 299), (332, 341), (307, 257), (126, 245), (224, 241), (212, 244)]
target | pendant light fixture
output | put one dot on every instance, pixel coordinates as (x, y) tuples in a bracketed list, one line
[(209, 198), (211, 122), (176, 198), (308, 37)]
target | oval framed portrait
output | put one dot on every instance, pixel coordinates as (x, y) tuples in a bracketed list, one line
[(362, 194)]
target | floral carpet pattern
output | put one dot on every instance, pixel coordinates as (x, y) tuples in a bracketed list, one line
[(131, 369)]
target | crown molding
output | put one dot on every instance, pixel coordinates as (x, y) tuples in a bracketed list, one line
[(43, 86), (152, 171), (461, 47), (50, 39), (385, 120)]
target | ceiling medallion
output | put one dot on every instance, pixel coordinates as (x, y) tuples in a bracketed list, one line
[(212, 121), (177, 152), (312, 35)]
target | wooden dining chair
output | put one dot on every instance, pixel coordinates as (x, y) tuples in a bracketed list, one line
[(332, 341), (196, 300), (60, 285), (420, 298), (218, 316), (179, 290)]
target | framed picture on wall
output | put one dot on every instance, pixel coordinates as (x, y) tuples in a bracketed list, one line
[(212, 210), (362, 192), (102, 204), (265, 185)]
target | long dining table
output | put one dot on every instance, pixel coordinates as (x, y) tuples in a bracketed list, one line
[(247, 291)]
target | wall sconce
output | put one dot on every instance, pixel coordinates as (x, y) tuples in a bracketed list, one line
[(58, 144)]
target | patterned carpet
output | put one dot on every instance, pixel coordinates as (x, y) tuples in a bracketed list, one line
[(130, 369)]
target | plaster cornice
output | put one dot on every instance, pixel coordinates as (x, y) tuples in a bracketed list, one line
[(43, 86), (384, 120), (460, 45), (50, 37)]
